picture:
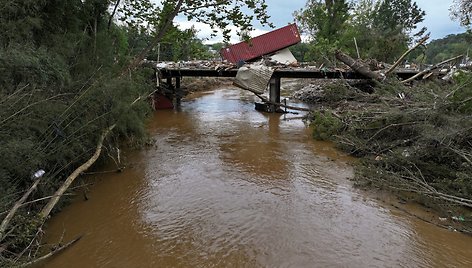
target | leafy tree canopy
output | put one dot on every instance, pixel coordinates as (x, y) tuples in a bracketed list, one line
[(383, 29), (462, 11), (219, 14)]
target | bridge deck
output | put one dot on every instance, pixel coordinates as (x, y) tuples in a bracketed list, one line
[(279, 73)]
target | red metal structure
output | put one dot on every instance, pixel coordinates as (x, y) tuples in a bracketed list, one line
[(261, 45)]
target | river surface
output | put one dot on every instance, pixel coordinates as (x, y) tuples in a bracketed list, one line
[(226, 186)]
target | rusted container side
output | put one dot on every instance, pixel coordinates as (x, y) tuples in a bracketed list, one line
[(261, 45)]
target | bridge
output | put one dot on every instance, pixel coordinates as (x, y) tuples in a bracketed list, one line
[(170, 77)]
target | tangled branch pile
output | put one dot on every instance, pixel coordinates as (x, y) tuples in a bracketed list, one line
[(411, 139)]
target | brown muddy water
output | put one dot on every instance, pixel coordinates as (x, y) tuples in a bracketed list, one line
[(226, 186)]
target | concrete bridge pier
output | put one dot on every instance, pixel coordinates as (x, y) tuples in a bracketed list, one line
[(274, 95), (177, 92)]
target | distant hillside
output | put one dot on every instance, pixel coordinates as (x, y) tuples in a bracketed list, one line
[(444, 48)]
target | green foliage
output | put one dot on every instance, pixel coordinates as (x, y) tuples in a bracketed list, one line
[(443, 49), (25, 65), (325, 125), (422, 140), (323, 19), (20, 20), (300, 52), (175, 45), (462, 94), (147, 16), (383, 29), (394, 14), (462, 11), (324, 22), (59, 89)]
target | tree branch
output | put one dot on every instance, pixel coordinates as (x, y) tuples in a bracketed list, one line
[(16, 206), (427, 70), (406, 54), (52, 253), (113, 13), (50, 205), (204, 6), (162, 30)]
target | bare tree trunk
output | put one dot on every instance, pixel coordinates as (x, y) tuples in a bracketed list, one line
[(113, 14), (50, 205), (162, 30), (358, 67), (431, 69), (406, 54)]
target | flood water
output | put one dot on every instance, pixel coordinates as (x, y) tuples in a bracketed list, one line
[(226, 186)]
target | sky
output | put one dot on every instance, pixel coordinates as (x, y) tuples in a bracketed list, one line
[(437, 19)]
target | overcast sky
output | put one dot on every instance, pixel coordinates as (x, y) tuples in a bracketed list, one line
[(437, 18)]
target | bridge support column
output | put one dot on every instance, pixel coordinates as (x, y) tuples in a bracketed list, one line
[(177, 82), (169, 82), (274, 94), (177, 92)]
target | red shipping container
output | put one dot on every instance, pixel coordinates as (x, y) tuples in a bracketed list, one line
[(160, 102), (262, 45)]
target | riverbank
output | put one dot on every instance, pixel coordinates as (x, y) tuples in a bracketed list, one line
[(414, 141)]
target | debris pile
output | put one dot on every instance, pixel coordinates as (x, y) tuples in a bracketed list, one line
[(310, 94), (410, 139), (197, 64)]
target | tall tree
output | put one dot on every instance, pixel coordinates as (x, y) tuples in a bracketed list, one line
[(324, 22), (323, 19), (385, 28)]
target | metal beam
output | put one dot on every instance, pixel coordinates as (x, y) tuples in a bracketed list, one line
[(279, 73)]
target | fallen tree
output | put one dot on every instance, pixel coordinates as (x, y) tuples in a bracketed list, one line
[(53, 201), (415, 141), (358, 66)]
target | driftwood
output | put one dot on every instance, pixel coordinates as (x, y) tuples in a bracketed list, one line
[(52, 253), (431, 69), (50, 205), (358, 66), (361, 68), (16, 206)]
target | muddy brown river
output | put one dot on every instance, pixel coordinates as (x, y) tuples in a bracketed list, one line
[(226, 186)]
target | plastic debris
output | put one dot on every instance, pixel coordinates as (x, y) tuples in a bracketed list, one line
[(254, 77), (38, 174), (458, 218)]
